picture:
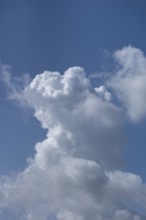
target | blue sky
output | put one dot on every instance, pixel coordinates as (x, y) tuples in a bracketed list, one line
[(56, 35)]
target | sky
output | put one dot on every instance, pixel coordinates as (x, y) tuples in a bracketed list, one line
[(72, 110)]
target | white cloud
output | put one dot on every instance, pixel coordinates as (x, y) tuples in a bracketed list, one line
[(74, 173), (129, 83), (70, 108)]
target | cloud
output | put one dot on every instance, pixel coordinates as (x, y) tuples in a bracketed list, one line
[(129, 83), (69, 105), (75, 172), (14, 85)]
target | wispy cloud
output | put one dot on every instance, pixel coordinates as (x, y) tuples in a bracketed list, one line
[(75, 172), (14, 85)]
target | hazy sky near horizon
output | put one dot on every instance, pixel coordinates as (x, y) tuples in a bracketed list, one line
[(82, 120)]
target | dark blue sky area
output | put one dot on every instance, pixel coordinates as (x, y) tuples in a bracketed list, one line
[(55, 34)]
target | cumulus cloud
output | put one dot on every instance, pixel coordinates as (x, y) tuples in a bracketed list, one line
[(73, 112), (129, 82), (75, 172)]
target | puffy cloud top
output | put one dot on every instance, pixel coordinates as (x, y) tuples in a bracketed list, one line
[(73, 112)]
